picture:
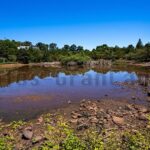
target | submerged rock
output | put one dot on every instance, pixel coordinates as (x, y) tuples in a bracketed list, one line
[(69, 102)]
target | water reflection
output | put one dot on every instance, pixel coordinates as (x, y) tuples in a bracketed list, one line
[(29, 91), (24, 74)]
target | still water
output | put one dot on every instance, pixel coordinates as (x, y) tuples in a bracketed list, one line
[(30, 91)]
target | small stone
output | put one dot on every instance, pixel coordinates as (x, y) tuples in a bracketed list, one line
[(83, 101), (40, 119), (148, 99), (69, 102), (74, 121), (142, 117), (142, 109), (129, 107), (76, 115), (133, 97), (28, 128), (85, 114), (93, 120), (27, 134), (118, 120), (82, 126), (18, 146), (148, 126)]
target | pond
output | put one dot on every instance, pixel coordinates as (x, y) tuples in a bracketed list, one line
[(30, 91)]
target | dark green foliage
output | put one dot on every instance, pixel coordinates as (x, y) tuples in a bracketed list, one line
[(139, 44), (9, 52), (78, 58), (23, 56)]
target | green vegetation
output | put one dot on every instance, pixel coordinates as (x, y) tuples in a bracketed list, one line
[(25, 52), (60, 136)]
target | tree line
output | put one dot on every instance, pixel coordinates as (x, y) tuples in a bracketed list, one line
[(26, 52)]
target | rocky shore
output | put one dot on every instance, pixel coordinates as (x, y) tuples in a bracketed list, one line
[(99, 116)]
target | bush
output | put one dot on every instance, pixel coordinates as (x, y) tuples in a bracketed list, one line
[(136, 141), (79, 59), (2, 60), (12, 58)]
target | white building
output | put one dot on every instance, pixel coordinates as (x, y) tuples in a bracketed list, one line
[(23, 47)]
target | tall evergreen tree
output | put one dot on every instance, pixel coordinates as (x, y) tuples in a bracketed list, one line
[(139, 44)]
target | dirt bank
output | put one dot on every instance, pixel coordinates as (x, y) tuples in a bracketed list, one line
[(9, 66), (17, 65), (132, 63)]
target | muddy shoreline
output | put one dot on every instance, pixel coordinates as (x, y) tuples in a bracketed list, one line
[(92, 63)]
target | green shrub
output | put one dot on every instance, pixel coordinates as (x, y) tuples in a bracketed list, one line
[(72, 142), (6, 143), (136, 141), (79, 59), (93, 140), (12, 58)]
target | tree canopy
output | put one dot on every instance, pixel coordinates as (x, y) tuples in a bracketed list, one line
[(42, 52)]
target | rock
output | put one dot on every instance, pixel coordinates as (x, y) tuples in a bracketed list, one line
[(28, 128), (142, 117), (81, 121), (142, 109), (133, 97), (18, 146), (82, 105), (82, 126), (69, 102), (37, 139), (129, 107), (92, 107), (148, 99), (118, 120), (40, 120), (71, 63), (85, 114), (76, 115), (73, 121), (27, 133), (83, 101), (148, 126), (93, 120)]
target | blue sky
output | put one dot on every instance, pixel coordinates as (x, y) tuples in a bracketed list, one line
[(82, 22)]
